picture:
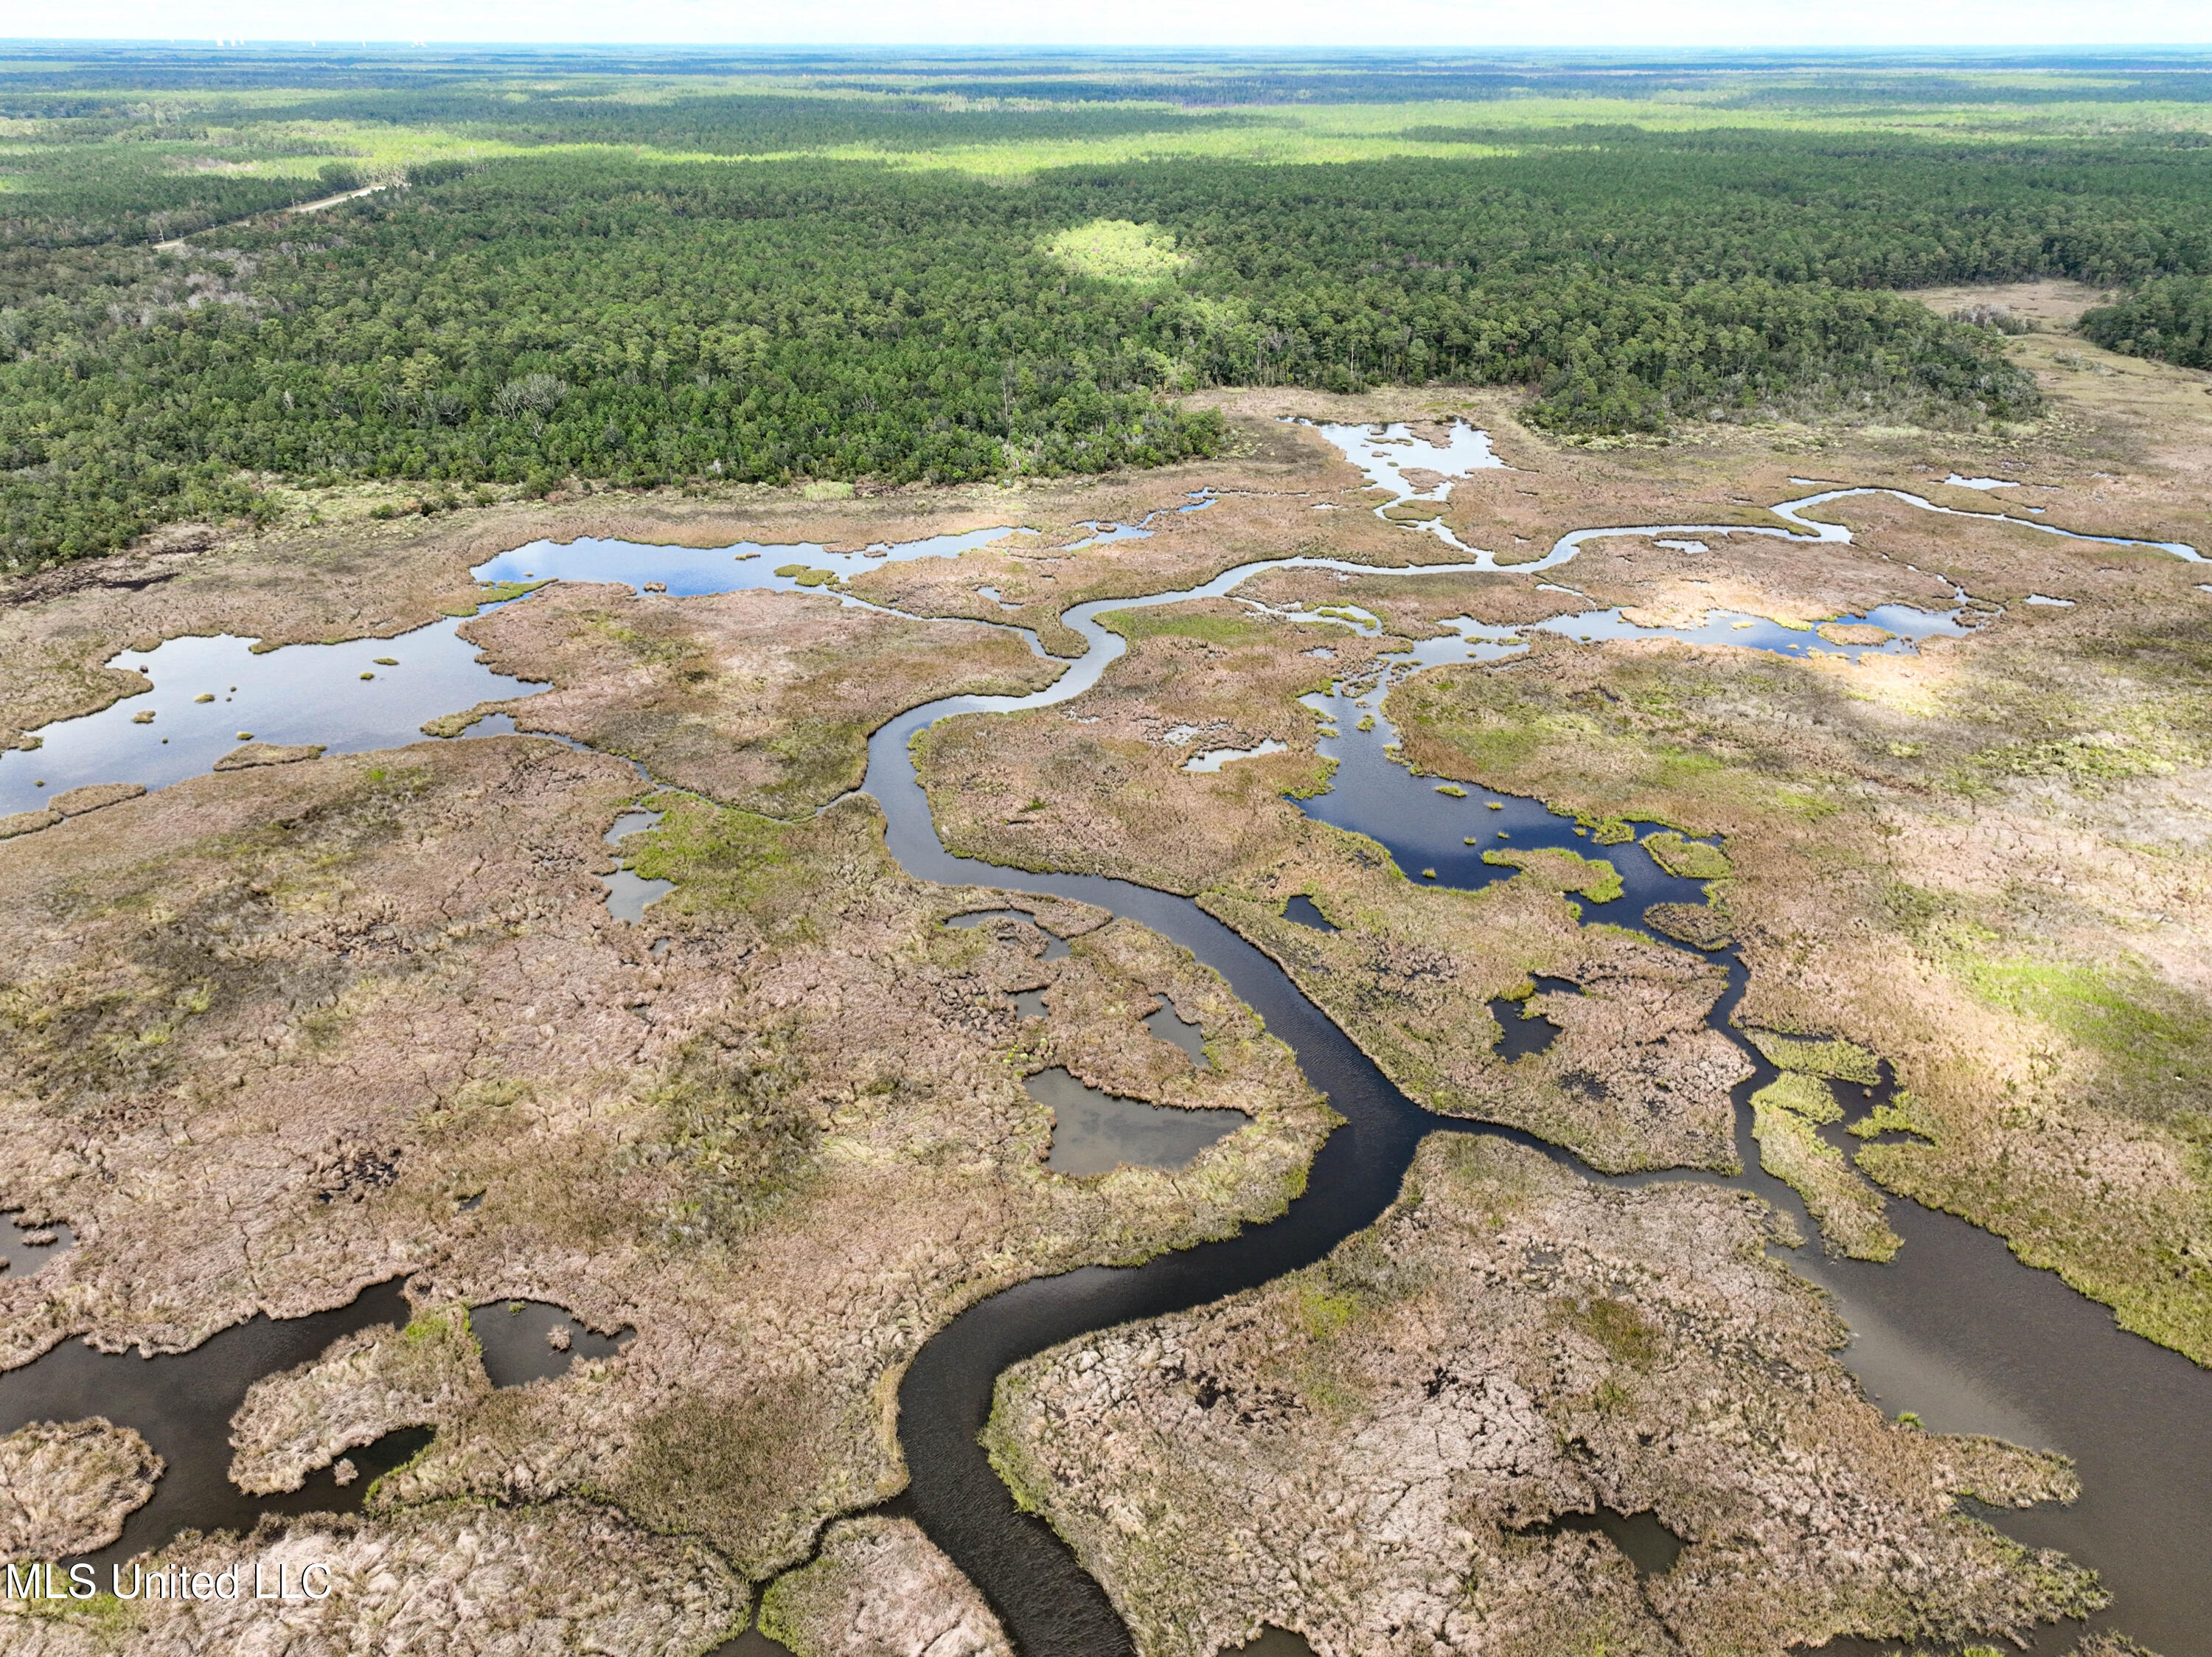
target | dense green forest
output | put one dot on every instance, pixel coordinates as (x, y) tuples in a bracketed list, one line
[(2170, 318), (118, 180), (578, 302)]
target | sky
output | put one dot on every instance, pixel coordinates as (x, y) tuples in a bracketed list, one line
[(1402, 25)]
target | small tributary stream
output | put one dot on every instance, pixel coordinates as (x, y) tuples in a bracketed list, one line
[(1955, 1330)]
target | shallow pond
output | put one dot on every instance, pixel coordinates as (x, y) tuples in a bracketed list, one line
[(1103, 530), (1385, 453), (1169, 1025), (25, 1249), (629, 894), (1527, 1031), (1424, 828), (211, 695), (1640, 1538), (526, 1341), (1212, 759), (1103, 533), (690, 571), (1275, 1642), (1096, 1132), (1905, 625)]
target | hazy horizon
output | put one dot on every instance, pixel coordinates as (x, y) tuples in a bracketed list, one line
[(1499, 52), (1940, 26)]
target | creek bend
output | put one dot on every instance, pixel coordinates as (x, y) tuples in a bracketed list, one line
[(1955, 1330)]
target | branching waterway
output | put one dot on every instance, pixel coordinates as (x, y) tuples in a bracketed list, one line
[(1955, 1330)]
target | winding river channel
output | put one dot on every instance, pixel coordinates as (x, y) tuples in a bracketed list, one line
[(1954, 1330)]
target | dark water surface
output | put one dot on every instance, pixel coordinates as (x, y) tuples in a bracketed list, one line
[(181, 1404), (1641, 1540), (1955, 1329), (1095, 1132), (513, 1335), (1528, 1032), (1275, 1642)]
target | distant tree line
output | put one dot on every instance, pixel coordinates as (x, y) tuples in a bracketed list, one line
[(590, 313)]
